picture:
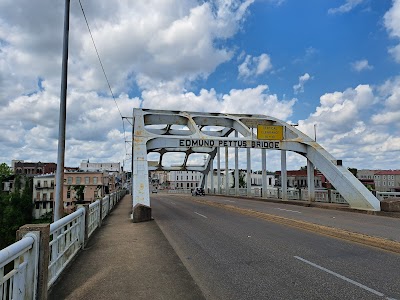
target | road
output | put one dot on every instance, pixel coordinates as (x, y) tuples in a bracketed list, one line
[(236, 256)]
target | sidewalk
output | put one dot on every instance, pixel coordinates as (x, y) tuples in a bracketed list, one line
[(125, 260)]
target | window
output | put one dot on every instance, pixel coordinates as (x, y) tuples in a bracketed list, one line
[(68, 194), (87, 180), (52, 183), (384, 177), (51, 196), (384, 183), (78, 180), (37, 196), (44, 197), (45, 183), (69, 181), (38, 183), (95, 180)]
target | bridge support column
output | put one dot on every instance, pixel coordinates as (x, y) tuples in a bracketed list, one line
[(283, 175), (264, 172), (310, 181), (212, 175), (248, 177), (219, 170), (236, 168), (226, 171), (141, 210)]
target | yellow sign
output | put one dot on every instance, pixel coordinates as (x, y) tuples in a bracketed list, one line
[(274, 133)]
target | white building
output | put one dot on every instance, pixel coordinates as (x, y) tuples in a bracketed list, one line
[(186, 180), (43, 194), (106, 167)]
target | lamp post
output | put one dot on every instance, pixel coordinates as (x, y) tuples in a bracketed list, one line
[(59, 205)]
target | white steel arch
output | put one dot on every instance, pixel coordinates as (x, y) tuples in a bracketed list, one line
[(164, 131)]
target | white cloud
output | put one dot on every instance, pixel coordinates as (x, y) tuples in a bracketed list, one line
[(347, 130), (251, 100), (346, 7), (299, 88), (361, 65), (392, 24), (157, 47), (254, 66)]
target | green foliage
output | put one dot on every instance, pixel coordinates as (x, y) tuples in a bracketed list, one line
[(16, 210), (353, 171), (79, 191), (242, 182), (5, 171)]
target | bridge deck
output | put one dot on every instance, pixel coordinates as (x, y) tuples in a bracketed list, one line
[(125, 260)]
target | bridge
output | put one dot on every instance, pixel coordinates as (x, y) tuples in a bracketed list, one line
[(225, 245), (206, 133)]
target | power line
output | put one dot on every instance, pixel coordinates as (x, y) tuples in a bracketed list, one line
[(104, 72)]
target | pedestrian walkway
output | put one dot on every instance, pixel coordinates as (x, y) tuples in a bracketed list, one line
[(125, 260)]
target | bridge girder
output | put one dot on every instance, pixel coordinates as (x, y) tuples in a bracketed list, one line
[(163, 131)]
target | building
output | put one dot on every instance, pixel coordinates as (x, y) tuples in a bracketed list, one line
[(43, 194), (367, 178), (179, 180), (387, 181), (85, 186), (33, 168), (299, 179), (107, 167)]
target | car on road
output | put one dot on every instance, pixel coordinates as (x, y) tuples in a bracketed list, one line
[(198, 192)]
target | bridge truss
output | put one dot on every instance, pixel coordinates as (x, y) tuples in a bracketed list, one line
[(162, 132)]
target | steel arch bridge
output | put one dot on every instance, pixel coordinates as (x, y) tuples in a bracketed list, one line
[(163, 131)]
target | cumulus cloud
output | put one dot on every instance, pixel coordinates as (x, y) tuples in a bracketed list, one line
[(346, 7), (392, 24), (251, 100), (299, 88), (254, 66), (346, 128), (361, 65), (157, 48)]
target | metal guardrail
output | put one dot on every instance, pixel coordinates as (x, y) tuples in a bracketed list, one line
[(384, 195), (94, 217), (67, 236), (19, 265), (20, 262), (327, 196)]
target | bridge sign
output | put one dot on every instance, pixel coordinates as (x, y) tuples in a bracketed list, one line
[(274, 133)]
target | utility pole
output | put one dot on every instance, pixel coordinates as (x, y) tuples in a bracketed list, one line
[(59, 205), (315, 132)]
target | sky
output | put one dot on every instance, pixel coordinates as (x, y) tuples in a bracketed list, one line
[(330, 65)]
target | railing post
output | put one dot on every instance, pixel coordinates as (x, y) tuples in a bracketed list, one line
[(86, 228), (330, 196), (101, 212), (44, 251)]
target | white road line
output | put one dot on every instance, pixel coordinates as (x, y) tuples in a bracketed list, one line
[(200, 215), (341, 277), (229, 201), (295, 211)]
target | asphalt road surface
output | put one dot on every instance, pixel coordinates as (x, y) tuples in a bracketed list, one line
[(236, 256)]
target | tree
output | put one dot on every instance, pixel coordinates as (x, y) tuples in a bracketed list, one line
[(16, 210), (79, 192), (5, 171), (353, 171), (242, 182)]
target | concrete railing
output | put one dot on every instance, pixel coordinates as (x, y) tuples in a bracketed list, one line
[(328, 196), (384, 195), (30, 266)]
